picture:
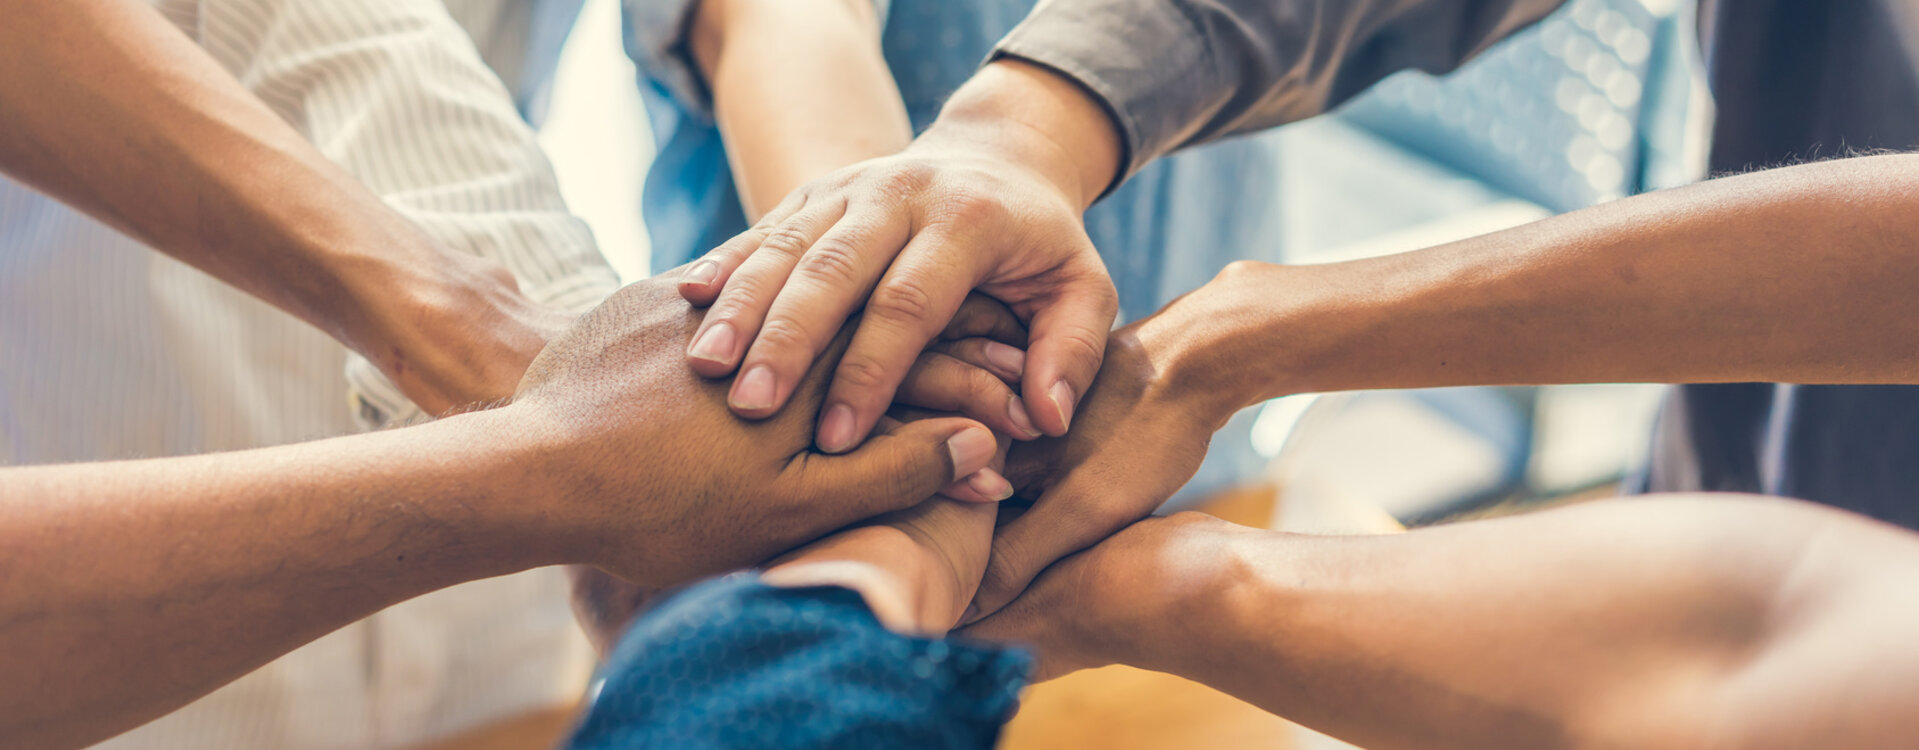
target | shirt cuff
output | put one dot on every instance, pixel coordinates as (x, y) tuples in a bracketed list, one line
[(734, 662), (1145, 62)]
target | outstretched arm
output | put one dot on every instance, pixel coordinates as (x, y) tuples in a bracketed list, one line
[(1802, 274), (110, 108), (1661, 622), (799, 89), (134, 587), (989, 198)]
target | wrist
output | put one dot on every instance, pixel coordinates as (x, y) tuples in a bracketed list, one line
[(530, 498), (481, 487), (1190, 599), (1024, 114), (887, 566), (449, 329), (1257, 331)]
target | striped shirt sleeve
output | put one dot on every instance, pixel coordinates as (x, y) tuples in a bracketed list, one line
[(394, 91)]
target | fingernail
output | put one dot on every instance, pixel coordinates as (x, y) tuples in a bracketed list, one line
[(989, 483), (1009, 360), (836, 430), (716, 345), (1062, 396), (1016, 411), (755, 389), (703, 272), (971, 449)]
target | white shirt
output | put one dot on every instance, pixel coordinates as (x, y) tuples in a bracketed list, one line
[(109, 350)]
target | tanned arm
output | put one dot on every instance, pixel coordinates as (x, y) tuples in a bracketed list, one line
[(109, 108), (799, 89), (1802, 274), (131, 588), (1665, 622)]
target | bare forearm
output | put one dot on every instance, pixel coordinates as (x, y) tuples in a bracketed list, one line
[(110, 109), (135, 587), (1657, 623), (799, 88), (1801, 274)]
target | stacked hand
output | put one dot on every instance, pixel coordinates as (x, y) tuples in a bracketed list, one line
[(759, 488), (661, 484), (982, 201)]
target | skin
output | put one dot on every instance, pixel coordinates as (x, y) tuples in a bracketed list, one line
[(1798, 274), (987, 199), (110, 109), (1662, 622), (916, 569), (199, 569), (955, 375), (1801, 274), (801, 89)]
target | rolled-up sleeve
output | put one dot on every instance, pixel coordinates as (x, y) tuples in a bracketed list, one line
[(395, 92), (1174, 73), (656, 40)]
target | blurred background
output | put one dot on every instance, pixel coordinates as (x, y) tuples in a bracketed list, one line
[(1602, 100)]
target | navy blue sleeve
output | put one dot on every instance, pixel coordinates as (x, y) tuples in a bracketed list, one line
[(735, 663)]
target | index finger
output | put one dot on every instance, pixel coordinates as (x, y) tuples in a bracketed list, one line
[(829, 279), (911, 305)]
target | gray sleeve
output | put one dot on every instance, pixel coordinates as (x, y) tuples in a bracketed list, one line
[(1174, 73)]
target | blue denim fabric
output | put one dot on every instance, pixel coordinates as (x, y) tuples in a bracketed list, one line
[(735, 663)]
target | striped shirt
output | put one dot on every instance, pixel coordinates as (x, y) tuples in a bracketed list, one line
[(109, 350)]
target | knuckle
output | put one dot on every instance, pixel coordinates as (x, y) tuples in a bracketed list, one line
[(904, 178), (862, 374), (737, 302), (832, 261), (967, 206), (787, 239), (781, 335), (904, 298), (985, 390), (1082, 345)]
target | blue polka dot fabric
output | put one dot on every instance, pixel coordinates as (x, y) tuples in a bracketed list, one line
[(735, 663)]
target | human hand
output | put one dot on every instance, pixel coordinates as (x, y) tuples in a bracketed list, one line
[(970, 370), (658, 483), (988, 199), (1142, 432), (459, 335), (1112, 603), (917, 568)]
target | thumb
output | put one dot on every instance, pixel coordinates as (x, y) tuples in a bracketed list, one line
[(895, 469), (1061, 523)]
